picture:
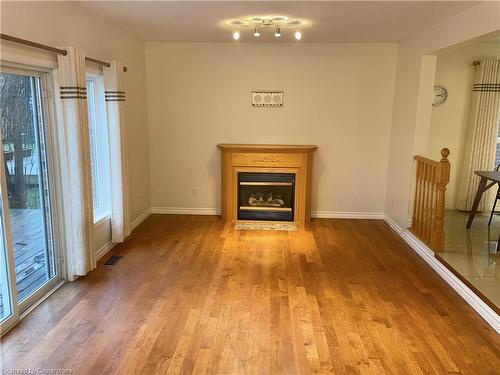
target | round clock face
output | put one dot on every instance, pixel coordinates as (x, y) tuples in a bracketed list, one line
[(440, 95)]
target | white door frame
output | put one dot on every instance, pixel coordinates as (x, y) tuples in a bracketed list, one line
[(9, 253), (47, 84)]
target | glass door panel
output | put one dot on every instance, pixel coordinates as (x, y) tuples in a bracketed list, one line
[(27, 181), (5, 290)]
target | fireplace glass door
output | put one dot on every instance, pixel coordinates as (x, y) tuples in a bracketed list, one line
[(266, 196)]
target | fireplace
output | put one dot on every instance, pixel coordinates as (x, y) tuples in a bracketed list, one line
[(266, 182), (266, 196)]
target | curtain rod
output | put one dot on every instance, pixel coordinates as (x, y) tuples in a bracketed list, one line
[(95, 61), (476, 63), (58, 51)]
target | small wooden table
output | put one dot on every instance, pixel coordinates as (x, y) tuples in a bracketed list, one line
[(494, 177)]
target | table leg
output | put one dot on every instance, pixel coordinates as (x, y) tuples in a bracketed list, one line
[(477, 199)]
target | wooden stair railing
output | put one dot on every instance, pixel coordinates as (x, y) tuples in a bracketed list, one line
[(429, 205)]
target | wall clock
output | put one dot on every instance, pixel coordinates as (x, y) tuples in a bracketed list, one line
[(440, 95)]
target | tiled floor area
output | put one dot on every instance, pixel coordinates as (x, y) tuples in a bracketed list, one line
[(473, 252)]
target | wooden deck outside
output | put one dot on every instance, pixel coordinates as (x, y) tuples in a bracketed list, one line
[(29, 251)]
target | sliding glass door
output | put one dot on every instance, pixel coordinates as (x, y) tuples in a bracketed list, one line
[(29, 259), (8, 310)]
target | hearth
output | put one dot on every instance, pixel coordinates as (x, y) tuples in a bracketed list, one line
[(266, 196)]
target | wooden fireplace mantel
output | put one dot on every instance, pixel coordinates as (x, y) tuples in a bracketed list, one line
[(271, 148), (271, 159)]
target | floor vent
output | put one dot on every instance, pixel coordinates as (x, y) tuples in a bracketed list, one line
[(112, 260)]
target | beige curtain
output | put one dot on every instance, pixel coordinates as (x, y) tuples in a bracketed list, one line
[(115, 109), (482, 130), (75, 164)]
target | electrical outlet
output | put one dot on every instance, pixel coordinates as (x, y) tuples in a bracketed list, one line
[(194, 192)]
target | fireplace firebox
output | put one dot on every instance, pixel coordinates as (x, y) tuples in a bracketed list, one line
[(266, 196)]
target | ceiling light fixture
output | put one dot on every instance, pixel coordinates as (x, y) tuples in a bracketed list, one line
[(264, 24)]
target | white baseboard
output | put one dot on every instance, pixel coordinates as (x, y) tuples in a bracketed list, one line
[(104, 250), (315, 214), (185, 211), (347, 215), (468, 295), (134, 224)]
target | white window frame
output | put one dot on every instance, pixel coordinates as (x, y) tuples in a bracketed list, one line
[(104, 181), (498, 144)]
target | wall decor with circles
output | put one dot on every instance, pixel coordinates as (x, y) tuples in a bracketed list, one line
[(267, 98)]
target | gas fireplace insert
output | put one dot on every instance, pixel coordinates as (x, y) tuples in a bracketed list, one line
[(266, 196)]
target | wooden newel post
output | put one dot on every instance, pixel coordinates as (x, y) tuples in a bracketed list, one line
[(443, 177)]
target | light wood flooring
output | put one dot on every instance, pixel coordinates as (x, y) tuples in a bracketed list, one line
[(191, 296)]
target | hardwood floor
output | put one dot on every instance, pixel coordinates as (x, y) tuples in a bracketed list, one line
[(190, 296)]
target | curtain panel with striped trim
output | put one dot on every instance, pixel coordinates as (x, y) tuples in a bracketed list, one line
[(482, 130), (115, 110), (75, 164)]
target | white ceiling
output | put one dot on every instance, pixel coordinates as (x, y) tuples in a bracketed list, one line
[(330, 21)]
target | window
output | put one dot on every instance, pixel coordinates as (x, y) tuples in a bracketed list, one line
[(99, 147), (497, 155)]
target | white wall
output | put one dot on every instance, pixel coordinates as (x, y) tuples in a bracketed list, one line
[(64, 24), (411, 117), (199, 96), (337, 96), (455, 72)]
